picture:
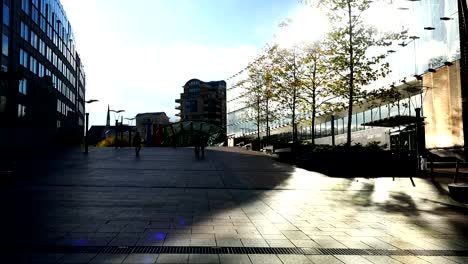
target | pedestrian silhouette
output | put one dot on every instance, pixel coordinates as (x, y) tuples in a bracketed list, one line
[(137, 143), (202, 147), (196, 142)]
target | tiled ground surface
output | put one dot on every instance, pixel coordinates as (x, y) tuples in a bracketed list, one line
[(233, 198)]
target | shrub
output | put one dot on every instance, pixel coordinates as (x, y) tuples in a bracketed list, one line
[(111, 141)]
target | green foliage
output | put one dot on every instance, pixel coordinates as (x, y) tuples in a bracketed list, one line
[(322, 77), (349, 43)]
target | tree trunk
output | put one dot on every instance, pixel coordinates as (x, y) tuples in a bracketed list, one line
[(258, 120), (351, 75), (294, 134), (314, 108), (267, 121)]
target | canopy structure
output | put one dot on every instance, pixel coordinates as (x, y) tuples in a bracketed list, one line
[(187, 132), (392, 121)]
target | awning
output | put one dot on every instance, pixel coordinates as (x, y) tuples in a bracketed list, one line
[(392, 121)]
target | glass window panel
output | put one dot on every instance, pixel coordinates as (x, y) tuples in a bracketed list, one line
[(404, 107), (359, 121), (353, 123), (6, 15), (345, 124), (5, 45), (384, 113), (393, 109), (337, 125)]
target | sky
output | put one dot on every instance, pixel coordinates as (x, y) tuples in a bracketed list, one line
[(138, 54)]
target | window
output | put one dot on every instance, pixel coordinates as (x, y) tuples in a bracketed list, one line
[(191, 106), (49, 32), (43, 24), (23, 86), (33, 64), (21, 110), (49, 53), (345, 124), (360, 121), (5, 45), (375, 114), (394, 109), (6, 15), (24, 31), (24, 58), (54, 59), (43, 8), (41, 69), (25, 6), (337, 126), (34, 42), (42, 47), (384, 113), (35, 15)]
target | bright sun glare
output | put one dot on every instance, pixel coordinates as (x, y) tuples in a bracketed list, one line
[(307, 26)]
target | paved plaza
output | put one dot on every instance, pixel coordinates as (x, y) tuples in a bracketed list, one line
[(112, 207)]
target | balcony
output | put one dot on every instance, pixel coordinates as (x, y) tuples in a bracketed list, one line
[(177, 101), (178, 107)]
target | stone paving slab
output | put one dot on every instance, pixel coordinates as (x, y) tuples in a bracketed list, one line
[(232, 198)]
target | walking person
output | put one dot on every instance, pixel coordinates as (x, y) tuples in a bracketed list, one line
[(137, 143), (197, 147), (202, 148)]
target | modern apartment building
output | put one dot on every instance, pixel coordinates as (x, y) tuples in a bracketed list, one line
[(42, 87), (429, 68), (203, 101)]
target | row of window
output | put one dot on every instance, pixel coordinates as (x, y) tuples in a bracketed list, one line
[(63, 108), (36, 42), (405, 107), (40, 70), (51, 16)]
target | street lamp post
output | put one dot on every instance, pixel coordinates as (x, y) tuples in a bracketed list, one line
[(87, 124), (116, 123), (130, 130)]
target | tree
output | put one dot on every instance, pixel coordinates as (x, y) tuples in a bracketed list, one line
[(287, 81), (317, 93), (349, 43), (259, 94)]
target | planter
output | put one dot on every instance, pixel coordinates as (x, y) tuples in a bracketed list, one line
[(459, 192)]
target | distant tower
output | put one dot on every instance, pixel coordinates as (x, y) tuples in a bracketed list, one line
[(108, 117)]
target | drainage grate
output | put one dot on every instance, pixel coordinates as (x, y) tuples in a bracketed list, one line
[(231, 250), (343, 251), (420, 252)]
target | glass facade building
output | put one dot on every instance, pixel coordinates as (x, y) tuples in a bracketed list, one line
[(43, 81), (429, 55)]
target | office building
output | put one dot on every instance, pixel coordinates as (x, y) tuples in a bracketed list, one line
[(42, 87)]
